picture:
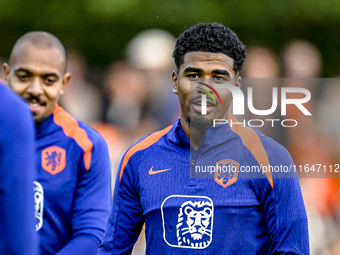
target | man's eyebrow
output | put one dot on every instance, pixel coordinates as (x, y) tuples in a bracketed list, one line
[(51, 74), (192, 69), (223, 72), (20, 69)]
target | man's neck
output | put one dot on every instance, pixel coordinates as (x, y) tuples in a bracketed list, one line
[(194, 135)]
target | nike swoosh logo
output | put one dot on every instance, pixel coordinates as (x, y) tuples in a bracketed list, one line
[(152, 172)]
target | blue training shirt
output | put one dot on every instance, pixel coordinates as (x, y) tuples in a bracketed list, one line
[(72, 191), (190, 212), (17, 172)]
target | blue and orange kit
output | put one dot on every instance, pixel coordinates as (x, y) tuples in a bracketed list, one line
[(207, 201), (72, 190)]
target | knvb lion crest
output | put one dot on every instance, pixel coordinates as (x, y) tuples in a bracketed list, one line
[(53, 159), (38, 204), (188, 221), (226, 172), (194, 226)]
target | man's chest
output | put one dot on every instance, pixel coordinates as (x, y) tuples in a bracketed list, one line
[(58, 161), (224, 177), (189, 210)]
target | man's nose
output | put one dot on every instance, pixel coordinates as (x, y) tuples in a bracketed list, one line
[(209, 83), (35, 87), (208, 80), (206, 86)]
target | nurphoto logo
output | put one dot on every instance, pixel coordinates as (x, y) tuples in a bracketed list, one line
[(239, 99)]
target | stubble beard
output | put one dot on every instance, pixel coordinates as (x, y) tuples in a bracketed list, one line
[(39, 121), (199, 122)]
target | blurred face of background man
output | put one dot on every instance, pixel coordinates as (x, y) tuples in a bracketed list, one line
[(38, 75)]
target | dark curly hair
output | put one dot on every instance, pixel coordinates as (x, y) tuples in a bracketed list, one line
[(211, 37)]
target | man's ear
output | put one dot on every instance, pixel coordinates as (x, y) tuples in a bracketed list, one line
[(65, 81), (5, 69), (174, 82), (238, 82)]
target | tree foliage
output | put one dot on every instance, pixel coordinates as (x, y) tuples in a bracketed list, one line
[(100, 29)]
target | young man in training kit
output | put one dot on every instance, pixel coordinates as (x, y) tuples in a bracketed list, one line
[(230, 213), (72, 189)]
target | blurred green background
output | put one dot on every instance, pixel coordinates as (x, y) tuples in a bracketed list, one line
[(100, 29)]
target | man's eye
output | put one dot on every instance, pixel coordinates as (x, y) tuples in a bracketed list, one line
[(219, 78), (50, 81), (193, 76), (22, 77)]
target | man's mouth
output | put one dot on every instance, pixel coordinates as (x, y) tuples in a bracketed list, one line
[(35, 106), (197, 105)]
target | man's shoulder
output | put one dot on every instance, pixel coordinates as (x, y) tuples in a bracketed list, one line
[(252, 138), (152, 141), (7, 94), (14, 112), (270, 145), (279, 158), (93, 134), (84, 140), (9, 98), (75, 129)]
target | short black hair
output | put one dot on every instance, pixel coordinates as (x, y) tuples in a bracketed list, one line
[(42, 40), (210, 37)]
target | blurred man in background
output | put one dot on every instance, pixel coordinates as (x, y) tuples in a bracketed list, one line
[(82, 99), (17, 171), (307, 143), (73, 167), (261, 72)]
